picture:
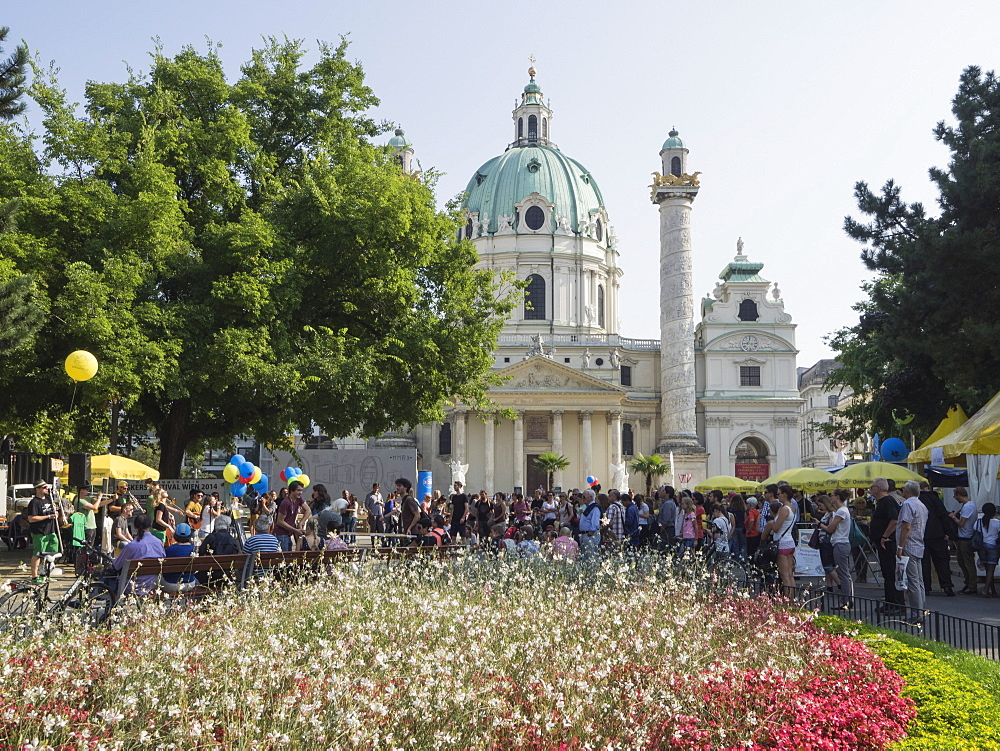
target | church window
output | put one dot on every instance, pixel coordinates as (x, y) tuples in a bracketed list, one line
[(545, 127), (599, 231), (749, 375), (468, 227), (444, 439), (599, 361), (600, 305), (534, 298), (534, 217), (675, 166), (748, 311), (626, 373), (532, 128), (832, 401), (520, 127), (751, 451), (628, 440), (566, 360)]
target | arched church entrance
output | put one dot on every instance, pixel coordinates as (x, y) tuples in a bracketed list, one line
[(752, 460)]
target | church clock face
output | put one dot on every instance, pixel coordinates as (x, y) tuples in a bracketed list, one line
[(750, 343)]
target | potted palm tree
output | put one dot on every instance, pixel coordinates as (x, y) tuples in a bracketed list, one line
[(550, 463), (652, 466)]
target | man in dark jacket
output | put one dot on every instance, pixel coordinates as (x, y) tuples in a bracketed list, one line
[(936, 540)]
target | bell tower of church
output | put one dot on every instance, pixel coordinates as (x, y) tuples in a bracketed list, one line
[(674, 192)]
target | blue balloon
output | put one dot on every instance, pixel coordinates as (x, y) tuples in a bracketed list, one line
[(237, 460), (246, 470), (290, 472), (894, 450), (237, 489), (262, 485)]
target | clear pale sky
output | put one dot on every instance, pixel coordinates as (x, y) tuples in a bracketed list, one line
[(784, 106)]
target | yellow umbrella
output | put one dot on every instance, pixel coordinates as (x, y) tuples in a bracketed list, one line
[(861, 475), (115, 467), (725, 482), (804, 478)]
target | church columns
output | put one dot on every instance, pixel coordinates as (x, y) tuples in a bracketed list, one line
[(586, 441), (642, 440), (458, 451), (519, 450), (489, 472), (557, 443), (615, 419)]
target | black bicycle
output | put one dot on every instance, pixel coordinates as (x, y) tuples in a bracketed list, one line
[(86, 601)]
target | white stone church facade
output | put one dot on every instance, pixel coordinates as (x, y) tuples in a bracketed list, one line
[(719, 392)]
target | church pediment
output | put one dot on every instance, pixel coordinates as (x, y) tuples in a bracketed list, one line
[(538, 373)]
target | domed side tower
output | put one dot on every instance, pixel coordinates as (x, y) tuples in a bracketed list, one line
[(540, 214), (403, 150)]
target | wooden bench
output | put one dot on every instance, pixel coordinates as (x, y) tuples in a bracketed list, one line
[(425, 551), (299, 561), (231, 567)]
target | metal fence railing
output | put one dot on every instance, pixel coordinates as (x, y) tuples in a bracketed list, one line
[(972, 636)]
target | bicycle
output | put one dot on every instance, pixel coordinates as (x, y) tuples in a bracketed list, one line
[(86, 600)]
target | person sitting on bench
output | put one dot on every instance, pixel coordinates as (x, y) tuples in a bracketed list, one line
[(181, 548)]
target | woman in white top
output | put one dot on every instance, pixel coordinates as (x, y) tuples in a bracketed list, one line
[(781, 528), (990, 527), (839, 529)]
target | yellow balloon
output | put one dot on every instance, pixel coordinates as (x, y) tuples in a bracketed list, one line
[(81, 365), (304, 479), (230, 474), (257, 474)]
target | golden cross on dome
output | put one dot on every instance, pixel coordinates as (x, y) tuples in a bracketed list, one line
[(531, 59)]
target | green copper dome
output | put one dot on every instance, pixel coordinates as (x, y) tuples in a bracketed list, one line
[(509, 178), (673, 142), (398, 141)]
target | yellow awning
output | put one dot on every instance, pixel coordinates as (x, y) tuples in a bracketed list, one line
[(115, 467), (956, 418), (980, 435)]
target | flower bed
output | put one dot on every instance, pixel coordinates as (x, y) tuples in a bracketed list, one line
[(474, 655), (953, 710)]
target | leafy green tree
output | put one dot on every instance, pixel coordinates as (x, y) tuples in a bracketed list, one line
[(243, 260), (20, 315), (550, 462), (651, 466), (924, 339), (13, 74)]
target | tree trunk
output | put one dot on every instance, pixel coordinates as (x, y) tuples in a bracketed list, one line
[(175, 434), (116, 408)]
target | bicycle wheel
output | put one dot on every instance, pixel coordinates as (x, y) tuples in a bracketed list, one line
[(90, 604), (17, 609)]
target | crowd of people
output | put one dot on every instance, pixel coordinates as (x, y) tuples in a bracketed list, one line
[(908, 528)]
